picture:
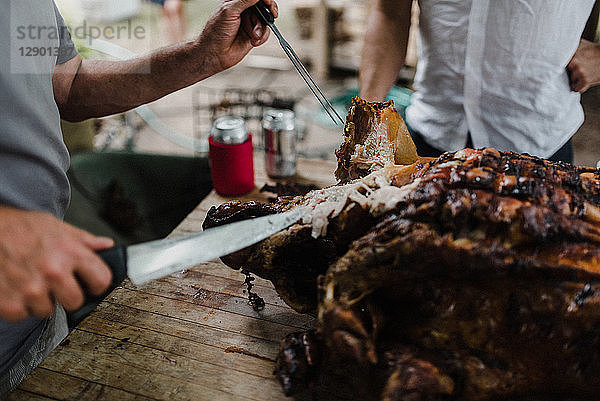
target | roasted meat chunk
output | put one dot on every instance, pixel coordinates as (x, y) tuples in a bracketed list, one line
[(374, 136), (473, 276)]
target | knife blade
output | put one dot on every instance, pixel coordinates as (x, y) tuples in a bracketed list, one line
[(155, 259)]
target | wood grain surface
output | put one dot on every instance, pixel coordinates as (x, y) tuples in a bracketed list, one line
[(189, 336)]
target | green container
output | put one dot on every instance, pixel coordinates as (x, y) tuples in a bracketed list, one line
[(134, 197)]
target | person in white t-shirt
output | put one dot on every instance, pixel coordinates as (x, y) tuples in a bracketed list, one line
[(495, 73)]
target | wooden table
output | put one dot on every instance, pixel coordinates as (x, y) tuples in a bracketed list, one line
[(189, 336)]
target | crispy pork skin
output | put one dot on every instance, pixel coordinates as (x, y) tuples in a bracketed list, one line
[(473, 276)]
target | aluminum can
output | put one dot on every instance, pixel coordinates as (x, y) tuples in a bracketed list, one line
[(230, 155), (280, 139)]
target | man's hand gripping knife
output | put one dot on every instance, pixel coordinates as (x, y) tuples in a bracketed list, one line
[(43, 261)]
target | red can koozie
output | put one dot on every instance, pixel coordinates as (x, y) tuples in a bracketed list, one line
[(231, 160)]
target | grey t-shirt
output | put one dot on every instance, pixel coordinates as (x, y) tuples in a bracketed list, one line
[(33, 157)]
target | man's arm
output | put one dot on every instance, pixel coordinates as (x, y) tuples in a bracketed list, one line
[(584, 67), (384, 48), (85, 89), (41, 261)]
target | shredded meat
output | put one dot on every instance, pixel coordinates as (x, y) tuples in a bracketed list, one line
[(375, 136)]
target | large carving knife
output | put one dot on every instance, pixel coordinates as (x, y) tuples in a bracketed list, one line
[(155, 259)]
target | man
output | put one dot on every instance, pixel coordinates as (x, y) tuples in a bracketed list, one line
[(490, 73), (42, 78)]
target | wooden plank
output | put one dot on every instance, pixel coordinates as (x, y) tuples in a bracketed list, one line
[(63, 387), (239, 306), (20, 395), (236, 357), (153, 373), (225, 295), (207, 316), (239, 357), (214, 276), (126, 316)]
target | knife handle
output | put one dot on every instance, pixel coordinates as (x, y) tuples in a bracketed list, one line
[(264, 12), (116, 259)]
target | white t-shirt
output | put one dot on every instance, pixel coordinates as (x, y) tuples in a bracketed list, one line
[(497, 69)]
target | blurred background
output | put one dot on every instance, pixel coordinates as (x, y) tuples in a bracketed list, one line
[(265, 77), (326, 35), (110, 194)]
